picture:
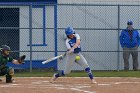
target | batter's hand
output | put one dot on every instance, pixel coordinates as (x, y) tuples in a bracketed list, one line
[(70, 51)]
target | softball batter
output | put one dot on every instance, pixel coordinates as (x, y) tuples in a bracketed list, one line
[(73, 55)]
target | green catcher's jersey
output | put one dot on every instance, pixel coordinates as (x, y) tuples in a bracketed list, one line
[(4, 60)]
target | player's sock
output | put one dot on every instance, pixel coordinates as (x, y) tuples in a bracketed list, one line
[(89, 73), (60, 73)]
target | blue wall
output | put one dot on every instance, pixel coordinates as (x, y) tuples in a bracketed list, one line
[(35, 64)]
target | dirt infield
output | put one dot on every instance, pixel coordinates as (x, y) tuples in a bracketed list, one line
[(71, 85)]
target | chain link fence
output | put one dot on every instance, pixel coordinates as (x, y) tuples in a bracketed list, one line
[(37, 30)]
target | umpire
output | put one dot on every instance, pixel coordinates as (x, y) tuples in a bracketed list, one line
[(4, 58), (129, 40)]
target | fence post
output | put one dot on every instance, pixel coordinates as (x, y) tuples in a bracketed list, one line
[(55, 33), (30, 35), (118, 56)]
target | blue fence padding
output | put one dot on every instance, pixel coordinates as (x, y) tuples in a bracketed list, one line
[(52, 1), (35, 64)]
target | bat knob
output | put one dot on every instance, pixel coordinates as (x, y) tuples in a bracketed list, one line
[(43, 62)]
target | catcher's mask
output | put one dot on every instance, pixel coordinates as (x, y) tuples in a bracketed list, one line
[(4, 48)]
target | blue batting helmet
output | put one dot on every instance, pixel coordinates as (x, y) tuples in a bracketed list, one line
[(129, 22), (69, 31)]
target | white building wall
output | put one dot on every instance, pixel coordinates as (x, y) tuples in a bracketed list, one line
[(98, 17), (100, 1), (92, 40), (37, 34), (79, 17)]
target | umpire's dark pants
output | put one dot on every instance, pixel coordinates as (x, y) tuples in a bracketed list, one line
[(126, 54)]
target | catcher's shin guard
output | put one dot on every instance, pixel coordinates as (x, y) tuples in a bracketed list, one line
[(9, 79), (11, 71), (9, 74)]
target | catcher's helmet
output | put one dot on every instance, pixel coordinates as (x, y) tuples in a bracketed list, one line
[(5, 47), (69, 31)]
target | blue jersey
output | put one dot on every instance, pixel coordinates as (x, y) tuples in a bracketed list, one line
[(71, 42), (127, 41)]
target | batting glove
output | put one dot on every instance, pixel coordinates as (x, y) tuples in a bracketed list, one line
[(71, 51)]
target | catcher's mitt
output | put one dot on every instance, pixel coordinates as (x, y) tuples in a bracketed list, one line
[(21, 59)]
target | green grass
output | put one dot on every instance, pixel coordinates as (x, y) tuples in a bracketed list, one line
[(118, 74), (82, 74)]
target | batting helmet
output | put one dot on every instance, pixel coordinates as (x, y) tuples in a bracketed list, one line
[(69, 31), (129, 22), (5, 47)]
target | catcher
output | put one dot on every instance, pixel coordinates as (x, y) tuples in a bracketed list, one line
[(4, 58)]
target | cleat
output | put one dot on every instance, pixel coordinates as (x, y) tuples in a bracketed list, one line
[(53, 78), (93, 81), (10, 81)]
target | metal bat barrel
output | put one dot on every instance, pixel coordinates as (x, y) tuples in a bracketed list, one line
[(51, 59)]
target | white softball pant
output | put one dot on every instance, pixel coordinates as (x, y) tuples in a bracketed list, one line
[(71, 59)]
